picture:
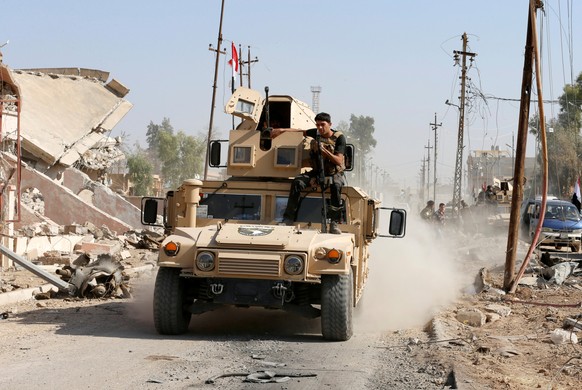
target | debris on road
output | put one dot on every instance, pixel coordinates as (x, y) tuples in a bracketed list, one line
[(262, 376), (99, 278)]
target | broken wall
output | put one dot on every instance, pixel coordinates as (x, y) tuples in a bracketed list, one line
[(102, 197), (64, 207)]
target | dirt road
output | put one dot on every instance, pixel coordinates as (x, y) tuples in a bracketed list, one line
[(113, 344), (93, 344)]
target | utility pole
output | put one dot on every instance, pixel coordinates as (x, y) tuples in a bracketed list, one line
[(428, 165), (459, 160), (248, 62), (218, 53), (510, 279), (422, 176), (435, 126)]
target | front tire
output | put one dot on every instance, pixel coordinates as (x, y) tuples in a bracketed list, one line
[(170, 318), (337, 303)]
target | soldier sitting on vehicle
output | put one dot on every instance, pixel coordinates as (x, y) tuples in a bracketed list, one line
[(333, 147)]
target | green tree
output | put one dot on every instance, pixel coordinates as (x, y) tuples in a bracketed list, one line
[(360, 133), (181, 156), (153, 139), (140, 173), (154, 130), (563, 141)]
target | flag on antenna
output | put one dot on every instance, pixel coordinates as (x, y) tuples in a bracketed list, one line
[(234, 61)]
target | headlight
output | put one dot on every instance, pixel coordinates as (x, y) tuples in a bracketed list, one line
[(320, 253), (293, 265), (205, 261), (577, 231), (171, 248), (546, 229)]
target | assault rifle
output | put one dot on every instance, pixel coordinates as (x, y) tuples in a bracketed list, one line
[(321, 182)]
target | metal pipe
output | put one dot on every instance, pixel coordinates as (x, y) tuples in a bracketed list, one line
[(41, 273)]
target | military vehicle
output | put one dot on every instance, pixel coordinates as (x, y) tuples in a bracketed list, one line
[(226, 244)]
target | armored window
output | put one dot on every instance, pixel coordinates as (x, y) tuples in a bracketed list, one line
[(244, 106), (242, 156), (286, 156), (230, 206)]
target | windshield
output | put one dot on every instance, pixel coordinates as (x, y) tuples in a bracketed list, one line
[(230, 206), (562, 212)]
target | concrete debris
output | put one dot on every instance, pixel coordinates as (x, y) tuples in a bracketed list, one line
[(101, 158), (503, 311), (53, 257), (529, 281), (492, 317), (32, 198), (558, 273), (562, 336), (40, 229), (76, 229), (471, 317)]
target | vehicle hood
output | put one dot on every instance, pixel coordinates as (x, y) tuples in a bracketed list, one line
[(265, 237), (557, 224)]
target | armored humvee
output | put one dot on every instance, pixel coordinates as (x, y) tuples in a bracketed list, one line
[(226, 244)]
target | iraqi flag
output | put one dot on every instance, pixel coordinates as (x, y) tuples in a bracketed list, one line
[(577, 189), (233, 62)]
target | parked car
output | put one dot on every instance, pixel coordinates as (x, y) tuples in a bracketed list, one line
[(562, 226)]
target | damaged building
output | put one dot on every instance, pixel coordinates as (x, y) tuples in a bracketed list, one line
[(56, 150)]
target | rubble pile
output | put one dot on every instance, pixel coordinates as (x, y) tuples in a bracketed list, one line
[(32, 198), (96, 261), (103, 155), (8, 96)]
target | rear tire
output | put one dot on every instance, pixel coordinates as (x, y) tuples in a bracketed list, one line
[(337, 303), (170, 318)]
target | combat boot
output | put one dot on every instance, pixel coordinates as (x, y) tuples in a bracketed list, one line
[(333, 229)]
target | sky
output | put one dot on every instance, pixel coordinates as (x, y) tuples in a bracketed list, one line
[(390, 60)]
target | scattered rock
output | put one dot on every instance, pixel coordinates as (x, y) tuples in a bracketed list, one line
[(471, 317), (562, 336), (503, 311)]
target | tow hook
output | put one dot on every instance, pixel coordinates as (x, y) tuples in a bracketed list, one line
[(217, 288), (283, 292)]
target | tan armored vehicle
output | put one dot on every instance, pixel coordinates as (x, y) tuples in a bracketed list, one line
[(226, 244)]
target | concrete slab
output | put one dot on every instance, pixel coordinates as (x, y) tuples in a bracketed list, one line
[(64, 115)]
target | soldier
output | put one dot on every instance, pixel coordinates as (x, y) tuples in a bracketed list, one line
[(427, 213), (333, 147)]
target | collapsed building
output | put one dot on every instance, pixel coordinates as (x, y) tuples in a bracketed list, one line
[(56, 150)]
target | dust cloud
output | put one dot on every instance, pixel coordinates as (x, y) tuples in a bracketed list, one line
[(141, 307), (410, 279)]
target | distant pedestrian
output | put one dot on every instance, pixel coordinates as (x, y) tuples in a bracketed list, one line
[(427, 213), (440, 214)]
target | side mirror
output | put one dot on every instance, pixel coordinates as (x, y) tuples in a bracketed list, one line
[(397, 223), (214, 154), (349, 157), (149, 211)]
